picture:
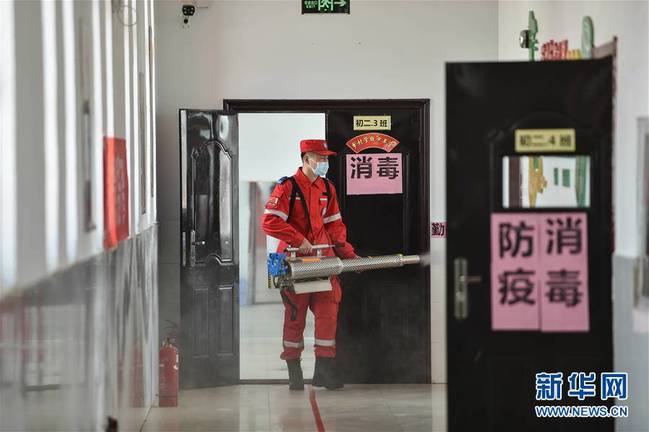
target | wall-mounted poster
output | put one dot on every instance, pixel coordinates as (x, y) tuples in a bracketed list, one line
[(374, 173), (539, 272), (115, 192)]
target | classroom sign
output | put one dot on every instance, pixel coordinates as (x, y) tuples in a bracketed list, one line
[(539, 272)]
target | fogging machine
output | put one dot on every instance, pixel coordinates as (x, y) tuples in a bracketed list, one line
[(305, 274)]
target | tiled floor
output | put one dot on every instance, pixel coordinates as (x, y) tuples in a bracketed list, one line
[(250, 408), (261, 342)]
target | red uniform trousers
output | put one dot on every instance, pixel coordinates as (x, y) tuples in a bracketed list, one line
[(324, 306)]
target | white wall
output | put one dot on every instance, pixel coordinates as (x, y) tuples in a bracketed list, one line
[(7, 148), (260, 49), (42, 126)]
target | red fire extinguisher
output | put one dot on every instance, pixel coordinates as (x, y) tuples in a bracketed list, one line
[(168, 375)]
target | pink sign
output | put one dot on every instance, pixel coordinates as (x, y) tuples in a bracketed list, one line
[(539, 271), (374, 173), (514, 277), (564, 272)]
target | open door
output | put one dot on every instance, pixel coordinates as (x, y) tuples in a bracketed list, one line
[(381, 177), (209, 354), (529, 240)]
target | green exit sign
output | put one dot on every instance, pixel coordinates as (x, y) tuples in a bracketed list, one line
[(325, 6)]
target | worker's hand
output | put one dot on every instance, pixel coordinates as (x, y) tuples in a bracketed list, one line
[(306, 247)]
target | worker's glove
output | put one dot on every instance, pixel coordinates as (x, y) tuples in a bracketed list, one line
[(306, 247)]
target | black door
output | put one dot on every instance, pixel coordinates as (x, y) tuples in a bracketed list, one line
[(519, 135), (381, 176), (209, 245)]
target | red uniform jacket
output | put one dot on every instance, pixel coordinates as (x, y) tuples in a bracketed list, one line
[(327, 226)]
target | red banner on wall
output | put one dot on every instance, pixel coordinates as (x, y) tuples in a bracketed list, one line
[(372, 140), (115, 191)]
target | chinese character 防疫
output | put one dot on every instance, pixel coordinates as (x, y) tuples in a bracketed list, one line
[(523, 235), (516, 286)]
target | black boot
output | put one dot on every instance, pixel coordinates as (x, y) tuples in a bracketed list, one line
[(324, 375), (295, 378)]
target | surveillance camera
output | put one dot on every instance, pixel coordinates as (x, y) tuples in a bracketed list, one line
[(524, 39), (188, 10)]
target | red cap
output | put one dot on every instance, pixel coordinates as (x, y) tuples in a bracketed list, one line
[(316, 146)]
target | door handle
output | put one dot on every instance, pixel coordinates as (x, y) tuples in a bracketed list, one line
[(183, 247), (462, 280), (192, 248)]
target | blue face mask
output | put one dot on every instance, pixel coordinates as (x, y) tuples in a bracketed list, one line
[(321, 168)]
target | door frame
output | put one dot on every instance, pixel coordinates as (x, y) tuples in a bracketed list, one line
[(238, 106)]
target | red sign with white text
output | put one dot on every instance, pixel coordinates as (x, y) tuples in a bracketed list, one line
[(115, 191), (372, 140)]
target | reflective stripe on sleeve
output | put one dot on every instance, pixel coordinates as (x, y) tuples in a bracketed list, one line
[(325, 342), (283, 215), (289, 344), (331, 218)]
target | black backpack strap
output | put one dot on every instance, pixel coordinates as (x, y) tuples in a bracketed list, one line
[(328, 187), (294, 193), (291, 201)]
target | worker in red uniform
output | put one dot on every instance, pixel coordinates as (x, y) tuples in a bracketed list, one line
[(301, 212)]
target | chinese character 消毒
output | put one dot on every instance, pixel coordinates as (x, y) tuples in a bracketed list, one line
[(582, 385), (548, 386), (614, 385), (564, 287), (564, 233), (388, 167), (516, 286), (523, 234), (361, 166)]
